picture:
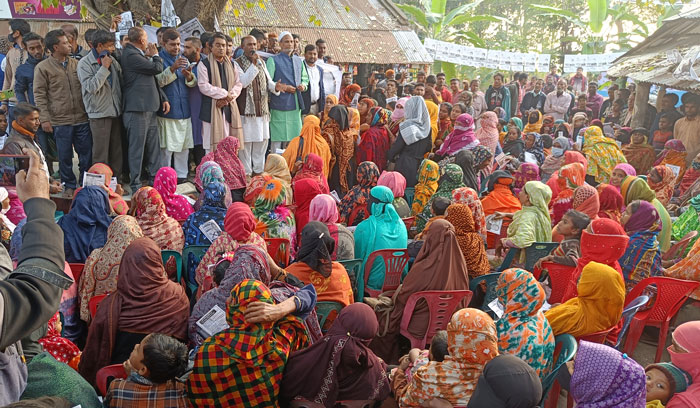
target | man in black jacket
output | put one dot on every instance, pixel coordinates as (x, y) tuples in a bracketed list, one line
[(533, 100), (142, 99), (315, 96)]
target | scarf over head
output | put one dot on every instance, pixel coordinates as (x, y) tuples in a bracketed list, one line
[(395, 181), (641, 156), (313, 169), (316, 248), (323, 208), (119, 206), (586, 200), (416, 123), (523, 331), (146, 301), (207, 172), (226, 156), (450, 180), (472, 341), (642, 257), (85, 225), (568, 179), (276, 168), (526, 172), (507, 381), (598, 306), (340, 366), (244, 364), (686, 336), (60, 348), (487, 134), (154, 221), (537, 148), (304, 191), (602, 153), (664, 188), (604, 377), (500, 197), (674, 153), (428, 176), (309, 141), (239, 222), (353, 206), (399, 111), (218, 120), (471, 244), (274, 219), (374, 142), (213, 208), (349, 94), (610, 202), (532, 223), (465, 160), (466, 195), (462, 137), (533, 127), (176, 205)]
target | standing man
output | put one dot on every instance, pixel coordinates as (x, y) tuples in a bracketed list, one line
[(142, 99), (514, 89), (345, 81), (175, 126), (498, 95), (391, 93), (57, 93), (374, 91), (442, 89), (321, 48), (667, 109), (687, 129), (100, 76), (612, 90), (533, 100), (220, 85), (315, 96), (420, 77), (253, 105), (285, 108), (76, 50), (478, 100), (192, 47), (578, 82), (260, 38), (594, 101), (15, 57), (551, 79), (24, 75), (454, 87), (558, 102)]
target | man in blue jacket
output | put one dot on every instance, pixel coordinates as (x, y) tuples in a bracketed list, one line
[(175, 127)]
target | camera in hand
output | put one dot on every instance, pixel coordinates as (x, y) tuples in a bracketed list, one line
[(10, 165)]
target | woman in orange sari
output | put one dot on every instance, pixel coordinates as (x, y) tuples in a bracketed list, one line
[(569, 178), (500, 198), (309, 141), (674, 153)]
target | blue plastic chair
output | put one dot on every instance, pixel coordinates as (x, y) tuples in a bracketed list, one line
[(510, 256), (165, 256), (408, 194), (566, 346), (533, 253), (324, 309), (491, 280), (627, 316), (353, 268), (198, 252)]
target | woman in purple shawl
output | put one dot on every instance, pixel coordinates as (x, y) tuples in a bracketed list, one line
[(462, 137), (340, 366), (605, 378)]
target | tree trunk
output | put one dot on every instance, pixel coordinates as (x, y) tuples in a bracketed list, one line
[(103, 10)]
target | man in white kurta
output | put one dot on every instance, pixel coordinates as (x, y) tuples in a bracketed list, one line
[(253, 105)]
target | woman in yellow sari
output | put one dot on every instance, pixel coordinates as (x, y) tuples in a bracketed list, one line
[(598, 306), (276, 168), (428, 176), (309, 141), (534, 123), (602, 153)]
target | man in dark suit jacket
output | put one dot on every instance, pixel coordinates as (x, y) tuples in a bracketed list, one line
[(315, 96), (142, 99)]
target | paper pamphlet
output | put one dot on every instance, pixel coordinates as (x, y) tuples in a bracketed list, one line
[(494, 225), (126, 23), (212, 322), (113, 183), (93, 179), (211, 230), (674, 169), (494, 305), (530, 158), (335, 196)]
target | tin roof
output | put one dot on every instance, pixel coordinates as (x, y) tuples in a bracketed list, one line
[(358, 31)]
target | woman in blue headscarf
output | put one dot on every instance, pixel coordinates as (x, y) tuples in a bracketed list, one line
[(213, 208), (382, 230), (85, 225)]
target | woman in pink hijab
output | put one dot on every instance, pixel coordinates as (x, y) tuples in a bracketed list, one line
[(397, 117), (396, 182), (685, 354), (488, 132), (324, 209), (176, 205)]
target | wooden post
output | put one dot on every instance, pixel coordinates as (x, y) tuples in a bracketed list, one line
[(641, 104)]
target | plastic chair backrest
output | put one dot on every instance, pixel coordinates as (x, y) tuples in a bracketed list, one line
[(597, 337), (279, 250), (104, 374), (559, 278), (352, 267), (94, 302), (324, 310), (408, 222), (441, 306), (165, 255), (198, 251), (491, 280), (564, 350), (508, 259), (678, 249), (77, 269), (671, 293), (408, 195), (537, 250), (628, 315), (395, 261)]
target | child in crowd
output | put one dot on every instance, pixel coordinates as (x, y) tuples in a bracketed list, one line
[(416, 358), (59, 347), (663, 381), (663, 134), (569, 250), (3, 129), (152, 369), (438, 208)]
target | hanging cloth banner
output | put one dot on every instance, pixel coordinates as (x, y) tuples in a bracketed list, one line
[(167, 14)]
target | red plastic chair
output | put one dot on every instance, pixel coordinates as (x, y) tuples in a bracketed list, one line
[(409, 222), (559, 277), (104, 374), (395, 261), (77, 269), (441, 306), (278, 248), (671, 293), (94, 302), (598, 337), (678, 249)]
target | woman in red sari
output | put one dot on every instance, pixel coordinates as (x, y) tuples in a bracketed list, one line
[(375, 143)]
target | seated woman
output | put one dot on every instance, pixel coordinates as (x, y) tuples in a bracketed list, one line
[(427, 185), (273, 218), (312, 168), (116, 201), (601, 376), (662, 180), (610, 202), (513, 143), (225, 359), (275, 167), (602, 153), (500, 197), (209, 172), (308, 142), (634, 188), (507, 382), (687, 268), (324, 209), (685, 354), (438, 266), (145, 301), (472, 342), (532, 223), (305, 191), (239, 229), (526, 172), (212, 209), (85, 225), (620, 172), (450, 180), (374, 142), (314, 265), (354, 207), (471, 244), (555, 161), (226, 156), (571, 156), (639, 153), (468, 196), (357, 373), (340, 131), (675, 154), (534, 148), (586, 200), (470, 172), (691, 175), (462, 137), (397, 184), (176, 205), (101, 271), (642, 258), (445, 123), (598, 306), (382, 230), (569, 178)]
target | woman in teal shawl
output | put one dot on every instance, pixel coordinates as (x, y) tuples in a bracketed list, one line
[(532, 223), (688, 221), (382, 230), (516, 122), (634, 188), (451, 179)]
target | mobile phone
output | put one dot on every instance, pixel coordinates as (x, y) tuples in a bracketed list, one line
[(10, 165), (379, 77)]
